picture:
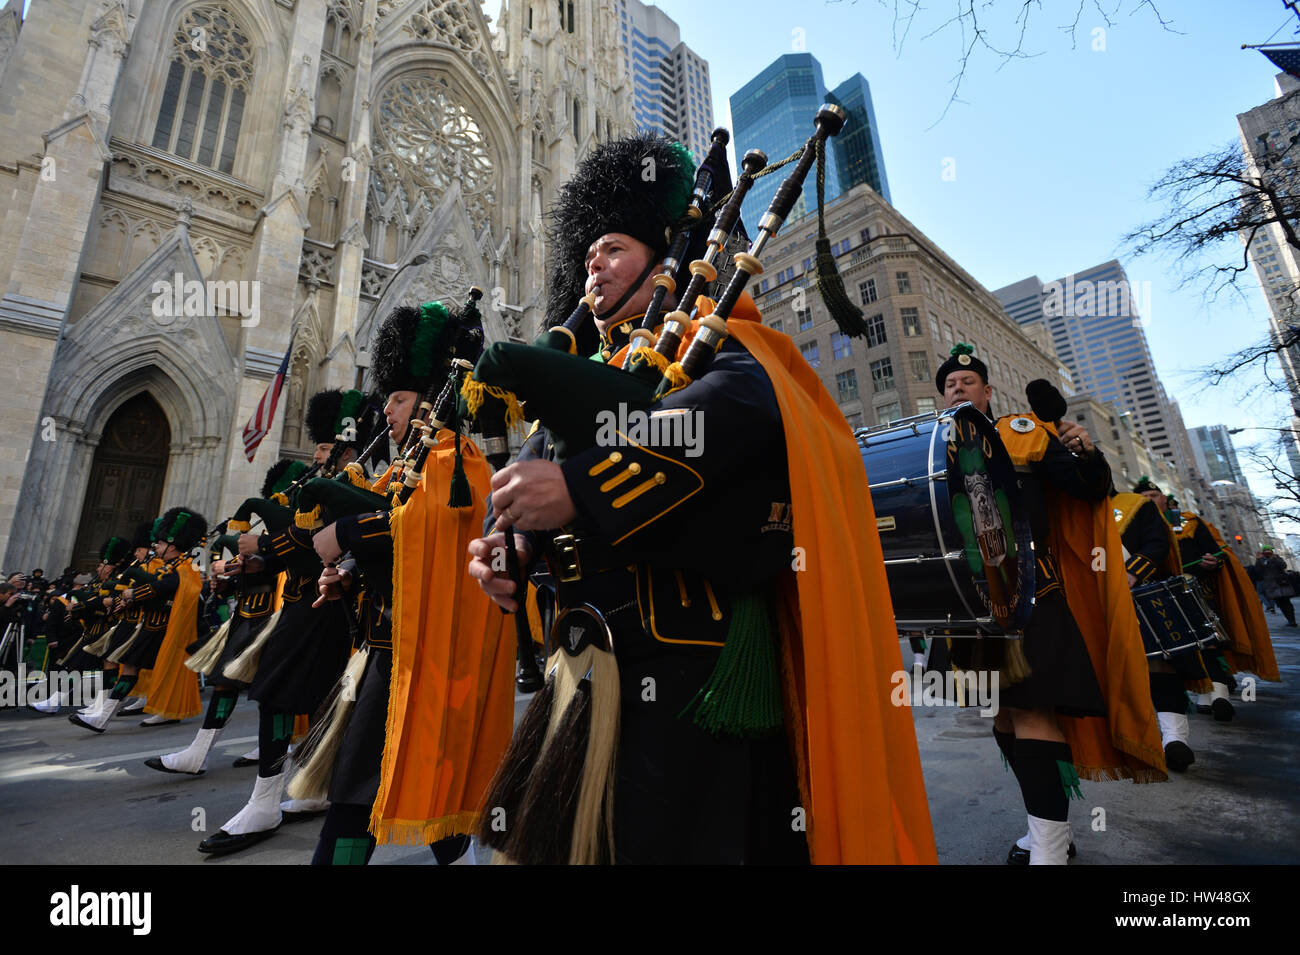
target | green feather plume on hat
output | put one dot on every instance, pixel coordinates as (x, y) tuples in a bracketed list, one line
[(428, 334), (961, 348)]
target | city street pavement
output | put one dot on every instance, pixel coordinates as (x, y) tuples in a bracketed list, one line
[(70, 797)]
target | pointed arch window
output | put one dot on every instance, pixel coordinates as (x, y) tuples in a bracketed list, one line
[(208, 81)]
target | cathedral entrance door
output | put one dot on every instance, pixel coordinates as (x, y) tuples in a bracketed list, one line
[(126, 478)]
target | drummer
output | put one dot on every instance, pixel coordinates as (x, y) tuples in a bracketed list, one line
[(1046, 726), (1151, 554)]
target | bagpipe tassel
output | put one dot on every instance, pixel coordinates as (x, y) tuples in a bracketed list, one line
[(309, 520), (743, 694), (244, 667), (476, 392), (315, 758), (460, 494)]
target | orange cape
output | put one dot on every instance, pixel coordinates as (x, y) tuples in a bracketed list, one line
[(1086, 543), (1242, 615), (174, 690), (855, 753), (451, 703)]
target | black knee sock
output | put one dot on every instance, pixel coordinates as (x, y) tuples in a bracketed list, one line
[(220, 707), (123, 687), (1007, 745), (1167, 693), (344, 837), (1044, 769), (448, 850), (274, 730)]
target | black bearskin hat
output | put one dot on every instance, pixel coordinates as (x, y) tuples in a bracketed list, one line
[(282, 473), (329, 413), (962, 359), (639, 186), (143, 536), (414, 346), (181, 527), (115, 551)]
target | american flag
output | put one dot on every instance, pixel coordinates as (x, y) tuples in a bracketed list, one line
[(1287, 60), (260, 424)]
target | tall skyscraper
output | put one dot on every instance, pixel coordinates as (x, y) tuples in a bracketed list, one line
[(857, 148), (774, 112), (1215, 456), (1267, 132), (670, 83), (1097, 332)]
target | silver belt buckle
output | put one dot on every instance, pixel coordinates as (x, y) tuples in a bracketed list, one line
[(569, 567)]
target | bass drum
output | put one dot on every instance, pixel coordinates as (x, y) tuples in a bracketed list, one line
[(958, 551)]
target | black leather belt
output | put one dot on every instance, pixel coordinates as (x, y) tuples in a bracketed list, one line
[(570, 558)]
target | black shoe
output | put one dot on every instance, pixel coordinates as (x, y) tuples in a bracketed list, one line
[(1019, 856), (245, 761), (155, 762), (1178, 756), (223, 843), (1222, 710), (163, 723), (76, 720), (1203, 709)]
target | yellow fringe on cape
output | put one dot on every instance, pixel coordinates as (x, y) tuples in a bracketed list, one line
[(174, 690), (451, 702)]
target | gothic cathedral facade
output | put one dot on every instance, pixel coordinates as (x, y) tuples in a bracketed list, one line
[(191, 188)]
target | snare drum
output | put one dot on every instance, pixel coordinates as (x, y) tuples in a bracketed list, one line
[(958, 550), (1174, 617)]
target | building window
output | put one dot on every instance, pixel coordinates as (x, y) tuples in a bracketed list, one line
[(925, 284), (809, 352), (911, 323), (904, 283), (947, 331), (934, 326), (867, 290), (875, 331), (846, 382), (925, 406), (805, 318), (204, 94), (882, 375), (570, 16), (865, 235), (840, 346), (890, 412), (778, 325), (807, 265), (920, 365)]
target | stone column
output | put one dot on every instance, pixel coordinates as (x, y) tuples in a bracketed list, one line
[(277, 254)]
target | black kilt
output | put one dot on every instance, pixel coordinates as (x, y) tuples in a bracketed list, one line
[(144, 651), (305, 656), (356, 770)]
